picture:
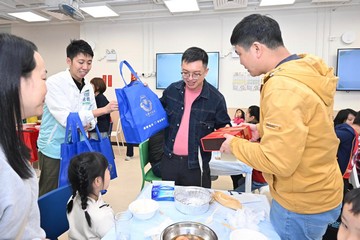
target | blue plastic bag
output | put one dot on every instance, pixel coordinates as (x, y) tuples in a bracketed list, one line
[(141, 112)]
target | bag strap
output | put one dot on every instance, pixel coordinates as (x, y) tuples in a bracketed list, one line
[(131, 70), (98, 133), (70, 133), (73, 123)]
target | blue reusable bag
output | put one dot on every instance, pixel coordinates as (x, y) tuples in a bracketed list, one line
[(141, 112), (74, 145)]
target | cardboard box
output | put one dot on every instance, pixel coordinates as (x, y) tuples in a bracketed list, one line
[(214, 140)]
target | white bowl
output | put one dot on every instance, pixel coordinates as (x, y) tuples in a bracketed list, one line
[(144, 208)]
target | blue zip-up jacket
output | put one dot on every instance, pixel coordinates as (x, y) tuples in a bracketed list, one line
[(208, 112), (346, 135)]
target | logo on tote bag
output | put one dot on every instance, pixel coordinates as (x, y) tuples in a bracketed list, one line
[(146, 105)]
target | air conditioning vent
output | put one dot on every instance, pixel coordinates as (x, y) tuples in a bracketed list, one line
[(229, 4), (56, 13)]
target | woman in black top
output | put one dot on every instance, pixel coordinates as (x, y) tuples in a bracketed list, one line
[(103, 122)]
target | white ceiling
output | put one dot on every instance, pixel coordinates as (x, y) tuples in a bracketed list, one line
[(149, 9)]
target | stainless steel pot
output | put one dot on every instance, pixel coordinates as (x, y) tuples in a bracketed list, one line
[(189, 229), (192, 200)]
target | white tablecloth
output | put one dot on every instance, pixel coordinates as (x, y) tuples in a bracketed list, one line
[(168, 211)]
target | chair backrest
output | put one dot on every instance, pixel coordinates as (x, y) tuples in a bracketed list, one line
[(144, 155), (118, 126), (52, 206)]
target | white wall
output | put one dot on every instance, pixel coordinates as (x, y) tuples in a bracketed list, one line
[(51, 41), (315, 31)]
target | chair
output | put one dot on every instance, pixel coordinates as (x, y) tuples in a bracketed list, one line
[(147, 176), (116, 134), (52, 206), (354, 178)]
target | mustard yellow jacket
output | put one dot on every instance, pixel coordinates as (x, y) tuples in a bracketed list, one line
[(297, 152)]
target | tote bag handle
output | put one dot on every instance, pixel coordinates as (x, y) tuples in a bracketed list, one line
[(131, 70), (73, 124)]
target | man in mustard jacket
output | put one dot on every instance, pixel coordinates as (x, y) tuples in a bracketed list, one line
[(297, 152)]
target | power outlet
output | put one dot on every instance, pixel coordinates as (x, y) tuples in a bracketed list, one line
[(111, 57)]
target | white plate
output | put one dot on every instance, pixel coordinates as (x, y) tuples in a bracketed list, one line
[(247, 234)]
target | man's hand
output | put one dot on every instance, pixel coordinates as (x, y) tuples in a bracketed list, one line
[(112, 106), (225, 147), (87, 127)]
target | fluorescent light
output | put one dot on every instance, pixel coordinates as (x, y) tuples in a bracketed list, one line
[(175, 6), (99, 11), (264, 3), (29, 16)]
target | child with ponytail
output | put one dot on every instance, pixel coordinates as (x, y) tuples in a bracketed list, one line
[(88, 215)]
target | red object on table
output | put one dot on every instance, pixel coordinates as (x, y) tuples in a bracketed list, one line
[(30, 136), (213, 141)]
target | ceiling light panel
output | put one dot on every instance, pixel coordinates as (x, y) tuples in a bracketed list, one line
[(99, 11), (29, 16), (264, 3), (176, 6)]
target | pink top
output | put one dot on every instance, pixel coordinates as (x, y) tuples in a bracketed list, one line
[(238, 120), (182, 136)]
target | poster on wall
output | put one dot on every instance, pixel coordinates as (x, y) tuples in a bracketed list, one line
[(242, 81)]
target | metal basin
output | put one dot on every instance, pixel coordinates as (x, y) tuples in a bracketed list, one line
[(191, 230)]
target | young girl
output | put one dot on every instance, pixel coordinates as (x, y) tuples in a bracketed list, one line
[(239, 117), (88, 215)]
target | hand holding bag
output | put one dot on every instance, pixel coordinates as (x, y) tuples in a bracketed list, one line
[(73, 145), (141, 112)]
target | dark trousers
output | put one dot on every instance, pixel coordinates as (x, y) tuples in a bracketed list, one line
[(49, 176), (175, 168), (129, 150), (156, 168), (236, 180)]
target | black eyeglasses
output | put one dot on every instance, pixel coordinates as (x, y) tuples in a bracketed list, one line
[(186, 75)]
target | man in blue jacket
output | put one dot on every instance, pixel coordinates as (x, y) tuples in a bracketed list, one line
[(194, 109)]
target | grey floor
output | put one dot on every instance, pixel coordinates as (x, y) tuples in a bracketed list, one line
[(125, 188)]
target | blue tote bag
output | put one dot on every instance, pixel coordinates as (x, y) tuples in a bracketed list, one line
[(74, 144), (141, 112)]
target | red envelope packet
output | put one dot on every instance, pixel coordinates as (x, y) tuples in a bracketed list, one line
[(214, 140)]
